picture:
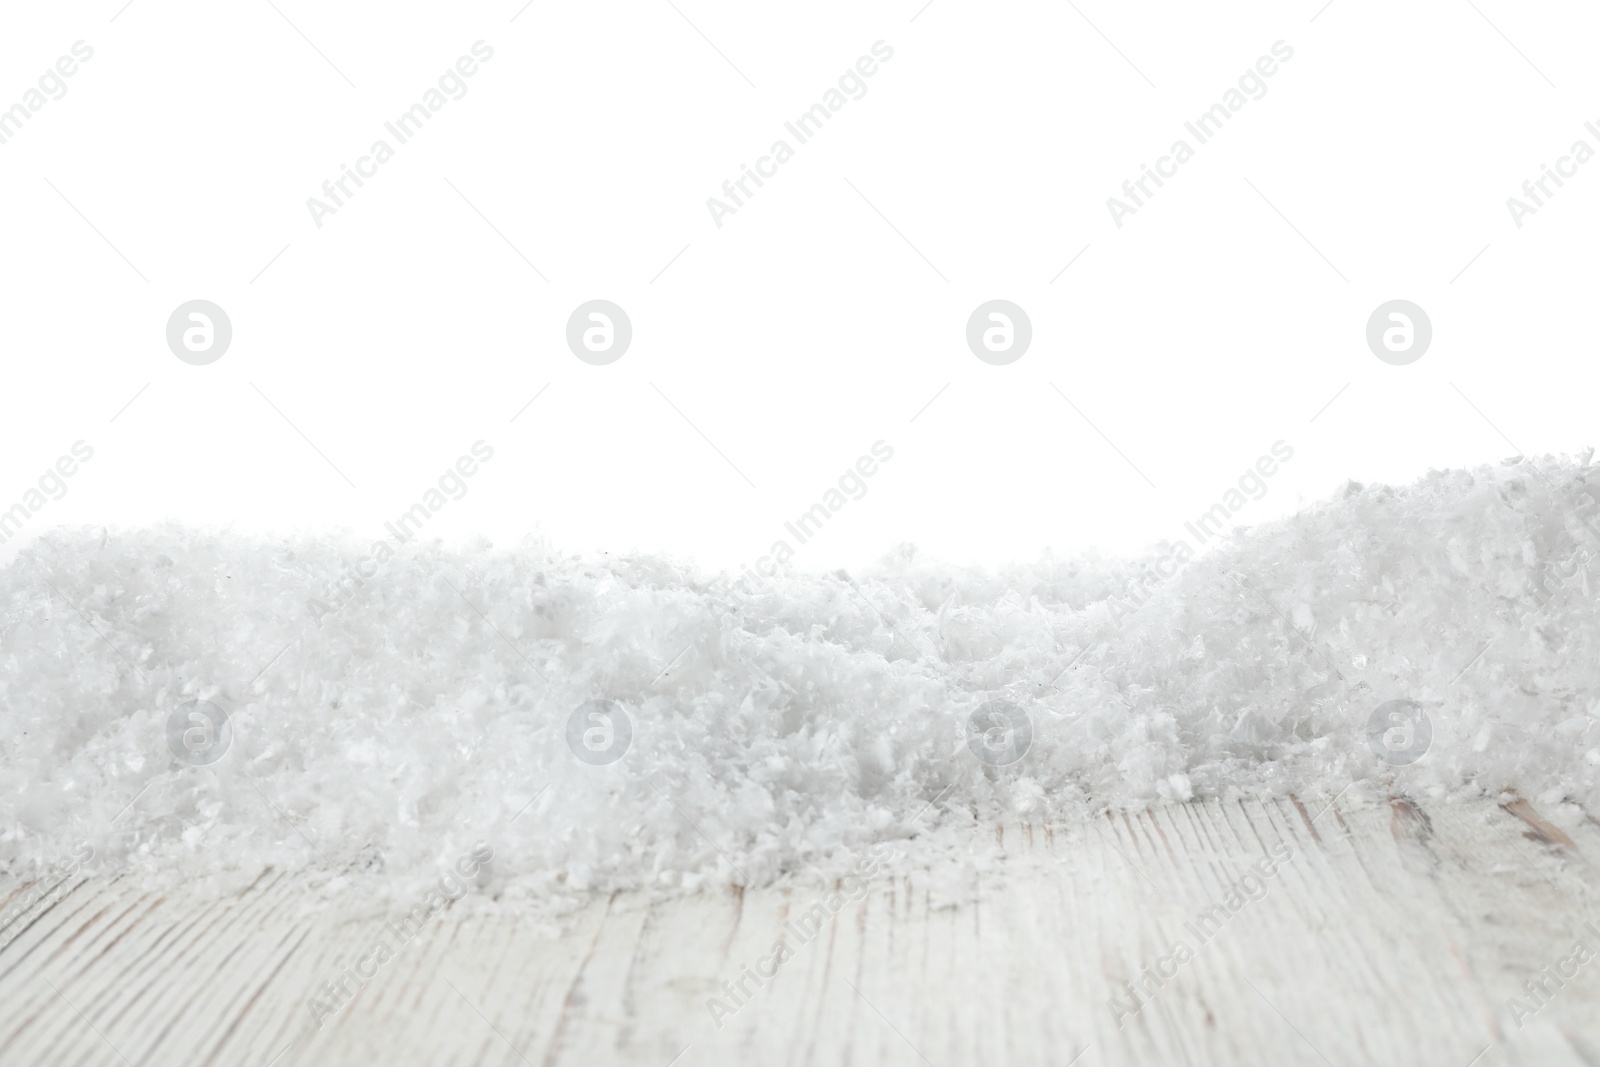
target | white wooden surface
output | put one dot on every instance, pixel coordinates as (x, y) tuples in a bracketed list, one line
[(1394, 934)]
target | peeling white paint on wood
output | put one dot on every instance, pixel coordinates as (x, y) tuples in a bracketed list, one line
[(1391, 934)]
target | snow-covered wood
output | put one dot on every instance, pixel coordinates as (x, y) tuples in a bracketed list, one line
[(1395, 934)]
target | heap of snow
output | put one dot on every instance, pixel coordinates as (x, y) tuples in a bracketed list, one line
[(382, 726)]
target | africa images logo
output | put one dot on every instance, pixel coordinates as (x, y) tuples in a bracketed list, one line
[(198, 733)]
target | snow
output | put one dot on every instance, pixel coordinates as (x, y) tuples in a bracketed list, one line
[(377, 732)]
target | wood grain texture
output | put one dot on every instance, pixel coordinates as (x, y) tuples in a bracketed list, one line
[(1391, 934)]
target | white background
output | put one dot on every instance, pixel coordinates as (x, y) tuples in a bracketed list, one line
[(806, 327)]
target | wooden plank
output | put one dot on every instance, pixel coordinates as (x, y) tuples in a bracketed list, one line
[(1383, 933)]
